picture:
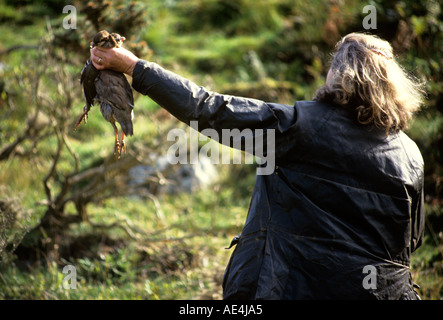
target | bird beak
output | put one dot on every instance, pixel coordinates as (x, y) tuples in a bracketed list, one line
[(122, 38), (92, 45)]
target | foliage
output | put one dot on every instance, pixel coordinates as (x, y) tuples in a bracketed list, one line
[(171, 246)]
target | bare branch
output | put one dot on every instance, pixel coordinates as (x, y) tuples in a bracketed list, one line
[(18, 47), (123, 163), (53, 167), (73, 154)]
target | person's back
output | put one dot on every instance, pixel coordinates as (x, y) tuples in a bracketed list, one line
[(338, 207)]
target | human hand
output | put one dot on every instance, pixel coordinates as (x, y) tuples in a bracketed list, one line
[(118, 59)]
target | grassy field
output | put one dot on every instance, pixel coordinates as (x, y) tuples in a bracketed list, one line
[(172, 246)]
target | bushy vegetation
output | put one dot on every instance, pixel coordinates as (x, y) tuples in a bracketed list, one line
[(152, 245)]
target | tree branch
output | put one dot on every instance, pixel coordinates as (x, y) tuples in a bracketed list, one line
[(53, 167), (18, 47)]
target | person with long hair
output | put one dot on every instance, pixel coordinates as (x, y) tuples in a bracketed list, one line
[(365, 78), (342, 210)]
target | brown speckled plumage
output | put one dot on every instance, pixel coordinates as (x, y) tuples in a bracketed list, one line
[(110, 89)]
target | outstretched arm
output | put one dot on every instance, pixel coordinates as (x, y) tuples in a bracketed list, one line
[(189, 102)]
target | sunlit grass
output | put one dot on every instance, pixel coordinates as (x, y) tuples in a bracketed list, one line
[(185, 237)]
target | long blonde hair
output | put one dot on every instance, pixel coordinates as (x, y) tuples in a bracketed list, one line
[(366, 78)]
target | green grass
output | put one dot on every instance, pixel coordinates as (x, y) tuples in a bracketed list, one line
[(427, 269), (179, 256)]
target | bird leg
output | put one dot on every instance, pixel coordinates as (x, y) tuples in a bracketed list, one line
[(123, 146), (83, 117), (117, 148)]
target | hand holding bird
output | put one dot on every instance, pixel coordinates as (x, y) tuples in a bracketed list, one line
[(118, 59)]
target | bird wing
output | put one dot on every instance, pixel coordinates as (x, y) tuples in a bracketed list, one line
[(87, 79), (114, 89)]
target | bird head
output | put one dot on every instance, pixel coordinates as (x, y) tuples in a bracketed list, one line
[(105, 39)]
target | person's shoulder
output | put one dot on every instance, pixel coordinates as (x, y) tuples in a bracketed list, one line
[(312, 103), (314, 106), (411, 148), (313, 109)]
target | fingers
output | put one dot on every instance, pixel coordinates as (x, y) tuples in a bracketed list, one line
[(118, 59), (98, 59), (100, 49), (97, 65)]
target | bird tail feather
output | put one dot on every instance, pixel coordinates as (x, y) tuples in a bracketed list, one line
[(127, 128)]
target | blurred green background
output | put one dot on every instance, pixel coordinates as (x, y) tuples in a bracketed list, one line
[(66, 200)]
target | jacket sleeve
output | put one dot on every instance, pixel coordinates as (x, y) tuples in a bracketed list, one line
[(189, 102)]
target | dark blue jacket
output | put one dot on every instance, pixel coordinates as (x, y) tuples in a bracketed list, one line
[(339, 216)]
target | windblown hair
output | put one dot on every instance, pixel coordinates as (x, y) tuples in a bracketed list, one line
[(366, 79)]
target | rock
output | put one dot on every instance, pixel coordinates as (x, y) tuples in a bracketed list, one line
[(164, 177)]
